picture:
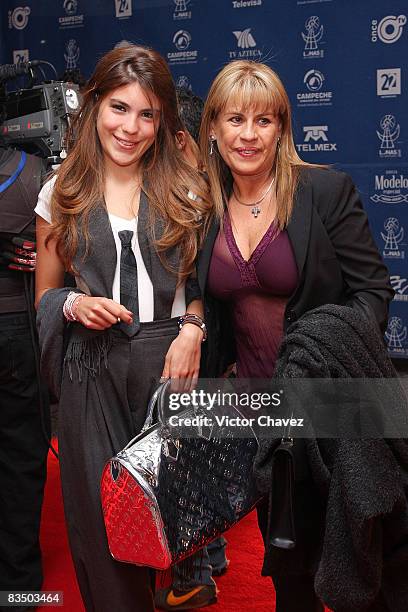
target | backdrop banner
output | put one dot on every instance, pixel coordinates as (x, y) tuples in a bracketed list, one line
[(344, 64)]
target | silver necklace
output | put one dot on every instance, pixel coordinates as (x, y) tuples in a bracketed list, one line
[(255, 210)]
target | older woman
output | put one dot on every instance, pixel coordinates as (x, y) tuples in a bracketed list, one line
[(286, 237)]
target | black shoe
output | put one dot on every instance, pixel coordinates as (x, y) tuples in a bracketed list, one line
[(198, 597)]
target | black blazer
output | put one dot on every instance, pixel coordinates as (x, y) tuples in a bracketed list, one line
[(337, 259)]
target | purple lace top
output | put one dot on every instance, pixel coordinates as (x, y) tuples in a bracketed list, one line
[(257, 291)]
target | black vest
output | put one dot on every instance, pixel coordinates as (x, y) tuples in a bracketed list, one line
[(96, 271)]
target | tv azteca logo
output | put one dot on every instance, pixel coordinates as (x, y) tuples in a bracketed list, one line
[(246, 44), (315, 96), (184, 55), (312, 38), (400, 286), (315, 139), (390, 188)]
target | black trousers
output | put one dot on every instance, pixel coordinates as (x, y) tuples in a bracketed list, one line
[(23, 457), (102, 406)]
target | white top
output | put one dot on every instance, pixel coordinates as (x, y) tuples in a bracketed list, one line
[(144, 284)]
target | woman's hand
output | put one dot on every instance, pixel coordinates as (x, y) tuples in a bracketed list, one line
[(182, 363), (100, 313)]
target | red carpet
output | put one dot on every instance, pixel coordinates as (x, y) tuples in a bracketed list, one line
[(242, 589)]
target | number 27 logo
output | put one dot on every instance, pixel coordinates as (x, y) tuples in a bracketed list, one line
[(389, 82)]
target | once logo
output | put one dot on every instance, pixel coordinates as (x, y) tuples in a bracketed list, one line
[(18, 18), (389, 29), (182, 40), (245, 40), (388, 82), (313, 80)]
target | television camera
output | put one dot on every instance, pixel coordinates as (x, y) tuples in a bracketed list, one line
[(35, 118)]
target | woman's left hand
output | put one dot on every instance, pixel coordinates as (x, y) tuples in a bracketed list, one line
[(182, 363)]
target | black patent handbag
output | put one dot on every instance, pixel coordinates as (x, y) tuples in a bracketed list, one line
[(165, 496)]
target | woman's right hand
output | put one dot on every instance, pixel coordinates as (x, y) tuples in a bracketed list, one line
[(100, 313)]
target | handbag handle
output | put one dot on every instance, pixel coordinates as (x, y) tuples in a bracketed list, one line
[(157, 398)]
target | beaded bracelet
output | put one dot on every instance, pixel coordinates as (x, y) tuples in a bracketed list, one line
[(71, 305), (194, 320)]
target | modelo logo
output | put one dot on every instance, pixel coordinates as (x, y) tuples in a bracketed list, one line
[(389, 29), (389, 188)]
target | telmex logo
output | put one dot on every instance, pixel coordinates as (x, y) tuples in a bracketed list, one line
[(314, 133), (389, 30)]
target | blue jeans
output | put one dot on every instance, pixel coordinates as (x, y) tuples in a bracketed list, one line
[(211, 557)]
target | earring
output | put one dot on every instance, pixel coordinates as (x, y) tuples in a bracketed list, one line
[(212, 141), (278, 144)]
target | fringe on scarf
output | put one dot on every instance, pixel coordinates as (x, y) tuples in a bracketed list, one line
[(88, 355)]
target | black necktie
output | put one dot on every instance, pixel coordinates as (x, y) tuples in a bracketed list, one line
[(128, 282)]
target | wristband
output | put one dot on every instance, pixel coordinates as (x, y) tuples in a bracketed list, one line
[(194, 320), (71, 305)]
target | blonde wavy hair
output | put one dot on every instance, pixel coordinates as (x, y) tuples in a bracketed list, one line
[(245, 84), (168, 179)]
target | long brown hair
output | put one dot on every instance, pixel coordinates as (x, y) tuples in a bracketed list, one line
[(167, 177), (246, 84)]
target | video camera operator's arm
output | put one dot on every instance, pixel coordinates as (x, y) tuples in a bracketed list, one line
[(49, 269)]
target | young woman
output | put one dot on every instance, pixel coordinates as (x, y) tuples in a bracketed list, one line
[(286, 238), (120, 217)]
